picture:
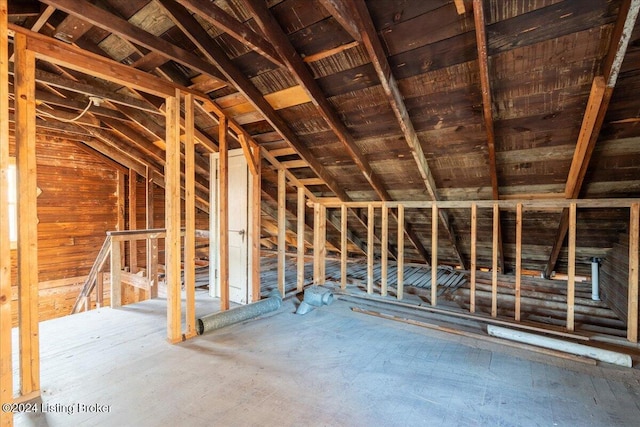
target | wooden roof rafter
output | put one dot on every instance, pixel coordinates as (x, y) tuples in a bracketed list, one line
[(360, 15), (236, 29), (109, 22), (297, 67), (487, 107), (597, 105)]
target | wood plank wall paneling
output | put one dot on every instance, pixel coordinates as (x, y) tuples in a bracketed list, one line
[(76, 207)]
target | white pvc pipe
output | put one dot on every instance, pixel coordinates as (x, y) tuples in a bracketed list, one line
[(607, 356), (595, 279)]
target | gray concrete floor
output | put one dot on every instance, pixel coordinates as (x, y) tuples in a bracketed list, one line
[(331, 367)]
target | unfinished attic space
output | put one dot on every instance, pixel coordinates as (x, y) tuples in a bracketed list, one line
[(319, 212)]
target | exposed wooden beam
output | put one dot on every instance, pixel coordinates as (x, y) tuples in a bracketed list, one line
[(370, 40), (6, 345), (487, 104), (25, 87), (341, 14), (113, 24), (597, 105), (192, 28), (24, 8), (303, 75), (236, 29)]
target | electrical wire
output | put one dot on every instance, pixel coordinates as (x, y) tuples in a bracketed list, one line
[(76, 118)]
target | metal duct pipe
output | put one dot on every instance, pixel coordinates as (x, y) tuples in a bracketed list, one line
[(595, 279), (314, 296), (225, 318)]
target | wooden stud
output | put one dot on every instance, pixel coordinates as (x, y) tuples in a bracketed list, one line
[(25, 135), (6, 368), (172, 219), (133, 244), (434, 255), (494, 263), (316, 243), (190, 217), (343, 247), (323, 243), (571, 279), (370, 247), (384, 256), (400, 281), (121, 205), (255, 235), (300, 238), (99, 289), (473, 267), (223, 212), (634, 244), (115, 275), (518, 259), (152, 264), (282, 229)]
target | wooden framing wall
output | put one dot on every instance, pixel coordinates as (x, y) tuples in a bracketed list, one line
[(572, 205), (6, 356)]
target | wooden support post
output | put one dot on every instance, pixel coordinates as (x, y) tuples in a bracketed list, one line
[(120, 225), (223, 213), (571, 279), (116, 274), (518, 259), (370, 247), (343, 247), (255, 236), (473, 267), (133, 244), (152, 244), (25, 135), (323, 244), (6, 368), (384, 251), (190, 217), (133, 225), (300, 238), (434, 254), (282, 229), (172, 219), (400, 281), (494, 263), (99, 289), (634, 237), (316, 243)]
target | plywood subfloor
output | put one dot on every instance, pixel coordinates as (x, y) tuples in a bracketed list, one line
[(331, 367)]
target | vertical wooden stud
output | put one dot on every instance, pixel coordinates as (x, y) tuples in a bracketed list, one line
[(473, 266), (316, 243), (571, 279), (190, 217), (323, 243), (370, 247), (282, 229), (634, 237), (99, 289), (400, 281), (172, 219), (116, 274), (434, 254), (343, 247), (518, 259), (152, 266), (6, 368), (256, 213), (223, 213), (384, 250), (494, 263), (300, 239), (120, 225), (133, 244), (25, 114)]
